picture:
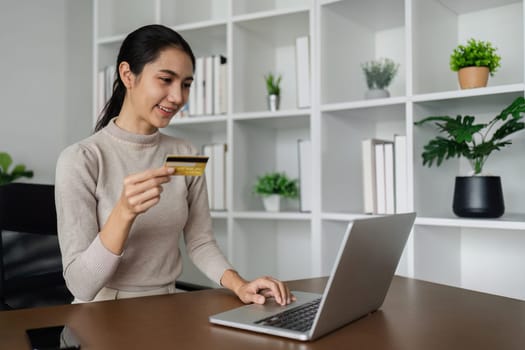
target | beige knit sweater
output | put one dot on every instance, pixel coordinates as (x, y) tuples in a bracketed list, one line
[(89, 181)]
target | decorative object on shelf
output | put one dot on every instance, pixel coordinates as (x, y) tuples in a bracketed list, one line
[(477, 195), (272, 186), (379, 74), (474, 62), (274, 91), (18, 171)]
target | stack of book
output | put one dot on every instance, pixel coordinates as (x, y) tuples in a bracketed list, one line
[(215, 173), (208, 93), (385, 183)]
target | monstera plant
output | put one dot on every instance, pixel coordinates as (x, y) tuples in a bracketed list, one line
[(479, 195)]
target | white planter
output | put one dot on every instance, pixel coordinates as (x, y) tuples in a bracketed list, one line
[(376, 93), (272, 203)]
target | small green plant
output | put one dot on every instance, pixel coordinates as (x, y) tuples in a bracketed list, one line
[(379, 73), (272, 84), (18, 171), (475, 53), (276, 183), (475, 142)]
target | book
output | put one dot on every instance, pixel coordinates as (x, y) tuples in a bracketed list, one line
[(401, 178), (305, 175), (219, 84), (209, 76), (389, 178), (207, 150), (380, 178), (302, 54), (369, 175), (219, 176), (199, 85)]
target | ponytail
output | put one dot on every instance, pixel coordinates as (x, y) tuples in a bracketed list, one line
[(113, 106)]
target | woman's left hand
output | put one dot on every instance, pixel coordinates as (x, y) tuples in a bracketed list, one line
[(257, 291)]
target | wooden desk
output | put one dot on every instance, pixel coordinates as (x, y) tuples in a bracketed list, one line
[(416, 315)]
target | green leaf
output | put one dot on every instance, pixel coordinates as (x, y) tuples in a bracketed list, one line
[(5, 162), (459, 135)]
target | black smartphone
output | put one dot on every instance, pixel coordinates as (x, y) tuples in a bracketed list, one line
[(53, 338)]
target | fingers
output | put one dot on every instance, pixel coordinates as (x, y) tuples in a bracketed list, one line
[(258, 290), (142, 190)]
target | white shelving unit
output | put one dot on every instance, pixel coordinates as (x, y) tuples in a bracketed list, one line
[(259, 36)]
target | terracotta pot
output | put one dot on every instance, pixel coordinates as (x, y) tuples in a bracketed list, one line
[(473, 77)]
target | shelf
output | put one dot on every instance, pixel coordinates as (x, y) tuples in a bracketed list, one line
[(262, 215), (115, 39), (371, 30), (506, 222), (259, 37), (219, 214), (462, 94), (264, 45), (344, 217), (270, 14), (205, 38), (178, 13), (116, 17), (198, 120), (364, 104), (439, 26)]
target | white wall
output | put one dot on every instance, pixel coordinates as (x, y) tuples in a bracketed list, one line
[(45, 93)]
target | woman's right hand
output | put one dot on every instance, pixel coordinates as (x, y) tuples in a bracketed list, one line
[(142, 190)]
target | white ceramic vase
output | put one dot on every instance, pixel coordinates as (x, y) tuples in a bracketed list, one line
[(376, 93), (272, 202)]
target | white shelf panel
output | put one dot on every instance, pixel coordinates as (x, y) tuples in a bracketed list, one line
[(219, 214), (457, 94), (466, 6), (344, 216), (268, 114), (271, 216), (200, 25), (111, 39), (364, 104), (506, 222), (198, 120), (269, 14)]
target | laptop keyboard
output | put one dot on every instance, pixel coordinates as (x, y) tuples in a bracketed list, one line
[(297, 319)]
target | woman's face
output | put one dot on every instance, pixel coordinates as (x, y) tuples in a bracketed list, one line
[(159, 92)]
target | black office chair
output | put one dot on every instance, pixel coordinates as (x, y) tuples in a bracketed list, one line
[(30, 260)]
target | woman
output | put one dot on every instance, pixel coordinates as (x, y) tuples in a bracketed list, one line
[(120, 212)]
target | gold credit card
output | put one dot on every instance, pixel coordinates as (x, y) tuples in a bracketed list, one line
[(186, 165)]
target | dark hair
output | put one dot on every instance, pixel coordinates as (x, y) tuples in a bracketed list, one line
[(140, 47)]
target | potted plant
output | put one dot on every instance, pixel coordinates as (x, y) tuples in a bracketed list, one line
[(7, 176), (477, 195), (272, 186), (474, 62), (274, 91), (379, 74)]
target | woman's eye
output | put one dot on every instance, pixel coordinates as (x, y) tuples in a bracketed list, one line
[(166, 80), (187, 85)]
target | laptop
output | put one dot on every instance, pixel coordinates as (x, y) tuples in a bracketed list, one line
[(362, 273)]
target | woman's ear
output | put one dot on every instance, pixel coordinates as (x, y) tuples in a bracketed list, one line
[(126, 75)]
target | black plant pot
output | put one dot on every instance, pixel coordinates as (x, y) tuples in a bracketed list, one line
[(478, 197)]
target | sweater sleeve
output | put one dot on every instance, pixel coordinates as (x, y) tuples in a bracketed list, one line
[(201, 246), (87, 264)]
